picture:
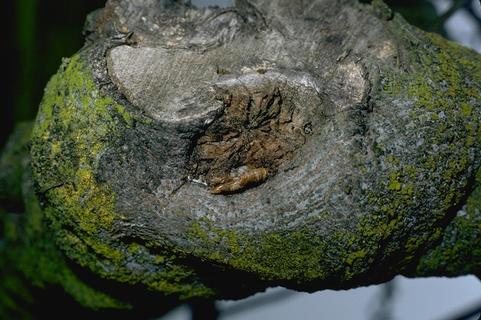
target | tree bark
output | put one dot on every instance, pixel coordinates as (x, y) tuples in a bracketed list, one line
[(215, 152)]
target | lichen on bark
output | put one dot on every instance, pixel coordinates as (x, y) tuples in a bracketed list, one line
[(367, 128), (81, 208), (29, 255), (458, 253)]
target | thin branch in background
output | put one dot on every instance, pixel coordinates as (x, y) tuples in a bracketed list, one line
[(470, 8), (468, 314), (385, 302), (457, 4), (258, 302)]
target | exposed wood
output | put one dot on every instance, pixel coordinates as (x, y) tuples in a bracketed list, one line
[(215, 152)]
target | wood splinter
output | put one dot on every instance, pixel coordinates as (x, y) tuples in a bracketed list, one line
[(229, 184)]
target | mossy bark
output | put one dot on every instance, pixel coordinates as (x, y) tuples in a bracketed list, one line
[(459, 251), (37, 277), (367, 129)]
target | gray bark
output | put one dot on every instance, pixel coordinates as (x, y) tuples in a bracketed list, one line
[(214, 152)]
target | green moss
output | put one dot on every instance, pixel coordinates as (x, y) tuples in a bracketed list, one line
[(75, 126), (276, 255), (29, 250), (459, 252), (449, 93), (44, 265), (360, 254), (394, 184), (292, 255), (466, 109), (381, 10), (66, 149)]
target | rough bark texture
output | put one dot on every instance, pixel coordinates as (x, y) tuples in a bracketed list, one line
[(212, 153)]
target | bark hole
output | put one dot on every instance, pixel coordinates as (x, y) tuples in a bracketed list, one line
[(258, 131)]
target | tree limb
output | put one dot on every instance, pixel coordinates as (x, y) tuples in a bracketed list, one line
[(342, 142)]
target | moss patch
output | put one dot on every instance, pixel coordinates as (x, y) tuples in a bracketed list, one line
[(28, 255), (74, 127), (445, 99), (459, 253)]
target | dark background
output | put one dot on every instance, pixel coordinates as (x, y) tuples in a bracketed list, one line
[(35, 35)]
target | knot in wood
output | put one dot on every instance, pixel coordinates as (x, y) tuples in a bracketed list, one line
[(260, 128)]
